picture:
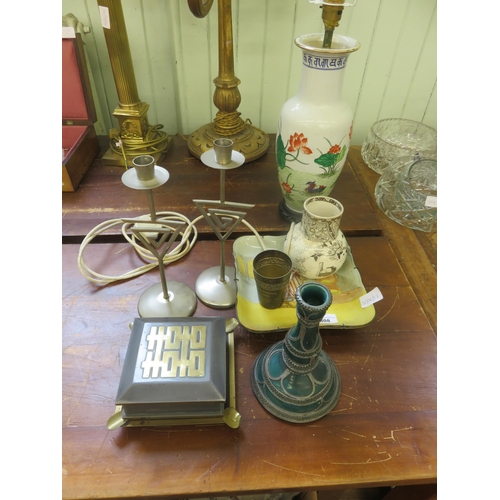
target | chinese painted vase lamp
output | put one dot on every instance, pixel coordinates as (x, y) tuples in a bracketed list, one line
[(247, 139), (134, 135), (315, 125)]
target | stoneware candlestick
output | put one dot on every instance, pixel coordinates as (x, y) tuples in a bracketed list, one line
[(294, 379)]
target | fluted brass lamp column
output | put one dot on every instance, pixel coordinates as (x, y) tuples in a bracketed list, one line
[(134, 136), (248, 140)]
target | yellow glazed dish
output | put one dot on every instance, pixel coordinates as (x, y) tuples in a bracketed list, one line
[(345, 286)]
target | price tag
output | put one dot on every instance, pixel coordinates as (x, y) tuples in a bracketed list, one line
[(370, 298), (104, 12), (329, 319), (431, 201), (68, 32)]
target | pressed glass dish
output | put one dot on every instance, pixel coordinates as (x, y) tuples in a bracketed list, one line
[(407, 192), (391, 138)]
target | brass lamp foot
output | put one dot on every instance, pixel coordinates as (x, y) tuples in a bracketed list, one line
[(111, 157), (135, 137), (251, 142)]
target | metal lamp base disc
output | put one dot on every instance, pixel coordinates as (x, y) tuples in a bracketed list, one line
[(216, 293), (282, 394), (181, 303), (288, 214), (112, 158), (251, 142)]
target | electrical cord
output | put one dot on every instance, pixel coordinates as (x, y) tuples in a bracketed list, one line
[(153, 142), (189, 237)]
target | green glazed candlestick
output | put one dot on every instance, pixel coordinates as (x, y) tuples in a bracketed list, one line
[(294, 379)]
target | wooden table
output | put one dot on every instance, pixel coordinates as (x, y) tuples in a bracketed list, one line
[(102, 196), (381, 433), (416, 251)]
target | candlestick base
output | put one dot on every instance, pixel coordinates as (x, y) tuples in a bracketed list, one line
[(294, 379), (251, 141), (295, 401), (181, 301), (216, 293)]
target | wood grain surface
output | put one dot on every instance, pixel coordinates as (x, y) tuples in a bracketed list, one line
[(381, 433), (103, 197), (416, 251)]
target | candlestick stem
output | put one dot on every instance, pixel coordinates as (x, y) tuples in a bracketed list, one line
[(152, 209)]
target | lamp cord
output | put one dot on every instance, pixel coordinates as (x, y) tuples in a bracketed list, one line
[(189, 237), (153, 142)]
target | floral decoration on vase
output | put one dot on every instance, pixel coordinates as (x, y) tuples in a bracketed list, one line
[(326, 166)]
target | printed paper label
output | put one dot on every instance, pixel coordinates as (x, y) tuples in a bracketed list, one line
[(431, 201), (68, 32), (104, 11), (329, 319), (370, 298)]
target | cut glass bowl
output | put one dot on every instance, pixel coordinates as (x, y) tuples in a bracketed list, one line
[(407, 192), (391, 138)]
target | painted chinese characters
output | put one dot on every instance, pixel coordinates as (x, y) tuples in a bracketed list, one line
[(324, 63)]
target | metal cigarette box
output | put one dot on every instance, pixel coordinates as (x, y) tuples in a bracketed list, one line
[(177, 371)]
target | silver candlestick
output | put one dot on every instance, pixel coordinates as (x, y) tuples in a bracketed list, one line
[(162, 300), (216, 287), (145, 176), (157, 235)]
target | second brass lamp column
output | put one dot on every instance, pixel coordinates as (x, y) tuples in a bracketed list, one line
[(248, 140), (135, 136)]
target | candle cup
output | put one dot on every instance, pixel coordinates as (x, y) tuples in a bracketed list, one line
[(272, 270), (145, 167), (223, 149)]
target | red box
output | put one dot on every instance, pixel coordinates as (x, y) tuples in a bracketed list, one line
[(79, 140)]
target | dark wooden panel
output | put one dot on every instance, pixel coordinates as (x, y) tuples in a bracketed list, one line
[(102, 196), (414, 492)]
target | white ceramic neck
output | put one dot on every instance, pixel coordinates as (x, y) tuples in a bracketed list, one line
[(322, 78)]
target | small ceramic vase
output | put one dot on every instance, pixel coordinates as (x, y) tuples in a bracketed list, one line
[(317, 246), (315, 125), (295, 379)]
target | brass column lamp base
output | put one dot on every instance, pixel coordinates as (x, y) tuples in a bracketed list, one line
[(111, 157), (248, 140), (135, 137), (251, 142)]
